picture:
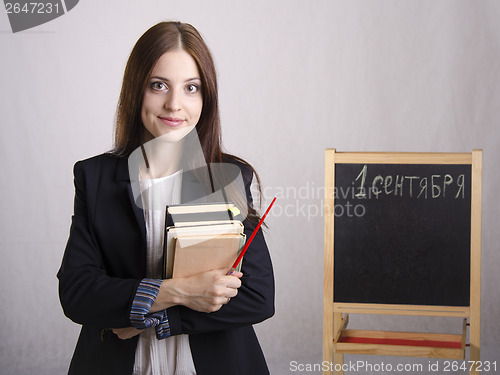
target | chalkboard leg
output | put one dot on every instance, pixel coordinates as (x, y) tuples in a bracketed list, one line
[(338, 362), (328, 334), (338, 358), (474, 357), (475, 272)]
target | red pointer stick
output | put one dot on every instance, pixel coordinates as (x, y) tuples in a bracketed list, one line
[(238, 260)]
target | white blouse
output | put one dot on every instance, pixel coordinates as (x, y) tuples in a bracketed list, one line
[(170, 356)]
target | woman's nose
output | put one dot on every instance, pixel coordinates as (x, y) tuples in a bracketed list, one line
[(172, 101)]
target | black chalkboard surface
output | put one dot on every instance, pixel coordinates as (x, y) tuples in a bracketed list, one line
[(402, 234)]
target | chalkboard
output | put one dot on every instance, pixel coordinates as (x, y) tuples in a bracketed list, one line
[(402, 234)]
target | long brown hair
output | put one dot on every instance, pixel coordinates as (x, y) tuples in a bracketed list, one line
[(156, 41)]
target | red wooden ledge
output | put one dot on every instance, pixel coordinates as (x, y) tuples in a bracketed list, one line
[(430, 343)]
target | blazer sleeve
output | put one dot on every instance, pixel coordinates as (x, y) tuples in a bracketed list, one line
[(87, 294), (255, 299)]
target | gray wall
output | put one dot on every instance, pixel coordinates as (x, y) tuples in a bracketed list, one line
[(296, 77)]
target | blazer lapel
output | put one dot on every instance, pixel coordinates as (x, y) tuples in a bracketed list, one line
[(123, 176)]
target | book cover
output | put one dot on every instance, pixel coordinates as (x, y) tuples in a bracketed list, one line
[(200, 253)]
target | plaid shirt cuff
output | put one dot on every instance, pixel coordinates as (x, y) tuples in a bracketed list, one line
[(141, 305)]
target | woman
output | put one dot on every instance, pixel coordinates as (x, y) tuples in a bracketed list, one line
[(133, 321)]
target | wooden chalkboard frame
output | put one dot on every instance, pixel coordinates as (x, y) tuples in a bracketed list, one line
[(335, 315)]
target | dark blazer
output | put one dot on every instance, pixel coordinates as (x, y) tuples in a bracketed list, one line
[(104, 261)]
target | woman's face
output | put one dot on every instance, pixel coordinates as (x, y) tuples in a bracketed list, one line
[(172, 100)]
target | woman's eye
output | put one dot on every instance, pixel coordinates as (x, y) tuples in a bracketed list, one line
[(192, 88), (158, 86)]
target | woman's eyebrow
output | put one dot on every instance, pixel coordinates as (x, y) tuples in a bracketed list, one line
[(167, 80)]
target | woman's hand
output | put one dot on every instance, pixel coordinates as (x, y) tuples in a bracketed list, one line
[(126, 333), (204, 292)]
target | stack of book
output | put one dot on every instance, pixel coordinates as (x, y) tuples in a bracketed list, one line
[(200, 238)]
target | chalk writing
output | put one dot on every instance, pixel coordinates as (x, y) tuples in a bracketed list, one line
[(433, 186)]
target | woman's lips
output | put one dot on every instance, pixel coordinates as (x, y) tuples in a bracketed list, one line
[(171, 121)]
